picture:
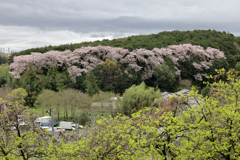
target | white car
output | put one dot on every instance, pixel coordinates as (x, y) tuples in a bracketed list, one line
[(56, 129), (74, 126)]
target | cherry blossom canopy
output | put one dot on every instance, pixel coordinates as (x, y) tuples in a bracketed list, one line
[(80, 61)]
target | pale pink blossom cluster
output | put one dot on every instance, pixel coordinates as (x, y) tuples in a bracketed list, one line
[(77, 62), (183, 52), (199, 76), (197, 66), (37, 61), (135, 66), (147, 59), (206, 65), (177, 71), (76, 72), (142, 60), (80, 61)]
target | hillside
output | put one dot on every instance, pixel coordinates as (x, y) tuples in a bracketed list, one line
[(223, 41), (167, 60)]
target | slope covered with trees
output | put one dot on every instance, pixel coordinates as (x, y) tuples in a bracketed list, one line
[(113, 65), (120, 63), (205, 38)]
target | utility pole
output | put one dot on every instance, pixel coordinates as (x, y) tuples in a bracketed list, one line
[(110, 106), (93, 119), (78, 126), (52, 113)]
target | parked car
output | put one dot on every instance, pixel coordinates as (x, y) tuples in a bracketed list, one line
[(57, 130), (43, 120), (74, 126)]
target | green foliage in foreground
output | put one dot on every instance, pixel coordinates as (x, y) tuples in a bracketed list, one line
[(169, 129), (16, 141)]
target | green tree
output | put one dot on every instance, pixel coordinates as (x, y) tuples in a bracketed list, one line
[(91, 84), (110, 75), (237, 67), (18, 95), (71, 101), (165, 79), (63, 80), (211, 128), (45, 100), (33, 85), (4, 74), (4, 91), (6, 79), (101, 98), (138, 97), (127, 81), (20, 141), (3, 58), (56, 79), (50, 79)]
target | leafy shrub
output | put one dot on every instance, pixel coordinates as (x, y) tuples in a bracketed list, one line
[(138, 97)]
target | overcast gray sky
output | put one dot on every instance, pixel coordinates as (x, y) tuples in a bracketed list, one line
[(37, 23)]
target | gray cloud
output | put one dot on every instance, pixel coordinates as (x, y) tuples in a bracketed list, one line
[(28, 23)]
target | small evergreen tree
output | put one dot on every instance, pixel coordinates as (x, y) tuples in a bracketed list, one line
[(91, 84), (165, 78), (237, 67), (110, 75)]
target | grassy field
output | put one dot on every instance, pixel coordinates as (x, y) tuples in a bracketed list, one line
[(84, 115)]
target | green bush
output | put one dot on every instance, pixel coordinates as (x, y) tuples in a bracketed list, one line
[(138, 97)]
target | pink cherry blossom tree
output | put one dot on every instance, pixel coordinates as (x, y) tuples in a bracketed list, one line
[(80, 61)]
